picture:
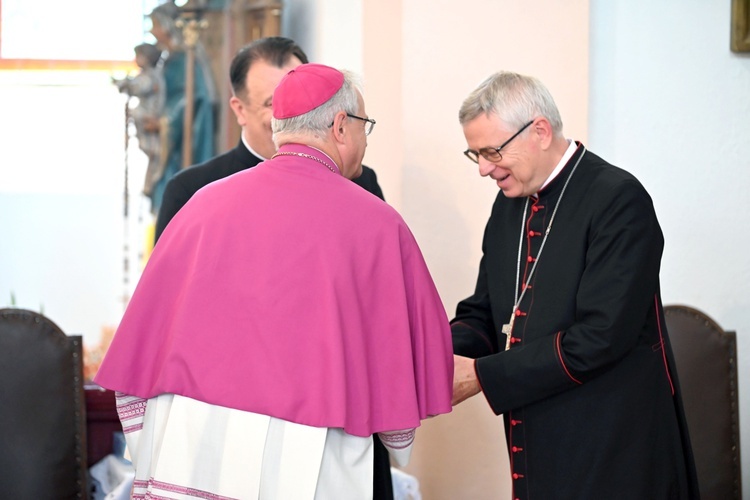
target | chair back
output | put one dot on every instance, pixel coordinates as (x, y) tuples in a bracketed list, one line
[(42, 415), (706, 358)]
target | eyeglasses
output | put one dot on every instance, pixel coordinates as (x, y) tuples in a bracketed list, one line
[(369, 123), (493, 154)]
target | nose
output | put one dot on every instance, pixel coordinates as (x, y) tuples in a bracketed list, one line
[(485, 166)]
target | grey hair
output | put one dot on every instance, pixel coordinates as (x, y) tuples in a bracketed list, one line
[(514, 98), (319, 120)]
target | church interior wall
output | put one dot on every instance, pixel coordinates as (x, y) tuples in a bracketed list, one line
[(665, 100), (62, 179), (669, 102)]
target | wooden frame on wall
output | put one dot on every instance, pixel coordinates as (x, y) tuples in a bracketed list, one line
[(740, 38)]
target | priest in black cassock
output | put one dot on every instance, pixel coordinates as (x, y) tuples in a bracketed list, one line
[(565, 332)]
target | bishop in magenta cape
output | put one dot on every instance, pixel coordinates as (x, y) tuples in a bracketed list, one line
[(289, 291)]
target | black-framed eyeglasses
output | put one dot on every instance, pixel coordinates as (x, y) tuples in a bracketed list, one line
[(493, 154), (369, 122)]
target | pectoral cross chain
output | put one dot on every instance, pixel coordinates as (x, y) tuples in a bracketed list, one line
[(508, 329)]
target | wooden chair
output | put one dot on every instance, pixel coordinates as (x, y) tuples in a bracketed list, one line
[(706, 358), (42, 415)]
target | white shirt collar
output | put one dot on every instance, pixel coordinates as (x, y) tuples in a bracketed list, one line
[(242, 136), (572, 146)]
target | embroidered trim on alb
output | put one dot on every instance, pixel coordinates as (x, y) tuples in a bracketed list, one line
[(398, 440)]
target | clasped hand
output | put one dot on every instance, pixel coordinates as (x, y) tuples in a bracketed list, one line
[(465, 382)]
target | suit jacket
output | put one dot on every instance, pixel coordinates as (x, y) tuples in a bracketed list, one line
[(588, 387), (182, 186)]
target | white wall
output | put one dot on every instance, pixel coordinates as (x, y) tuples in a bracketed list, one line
[(670, 103), (650, 86), (329, 31), (61, 198)]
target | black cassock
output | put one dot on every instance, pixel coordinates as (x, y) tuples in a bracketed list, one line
[(588, 388)]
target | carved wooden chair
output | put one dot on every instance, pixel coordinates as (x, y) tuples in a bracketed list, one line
[(42, 414), (706, 358)]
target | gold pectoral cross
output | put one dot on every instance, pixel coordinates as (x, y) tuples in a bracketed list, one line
[(508, 328)]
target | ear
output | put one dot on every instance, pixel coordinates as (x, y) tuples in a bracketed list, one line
[(543, 131), (237, 107), (340, 127)]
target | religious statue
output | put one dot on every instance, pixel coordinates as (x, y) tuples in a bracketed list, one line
[(187, 126), (148, 87)]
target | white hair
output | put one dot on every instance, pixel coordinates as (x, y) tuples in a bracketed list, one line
[(320, 119), (514, 98)]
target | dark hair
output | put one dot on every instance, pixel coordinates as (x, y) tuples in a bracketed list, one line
[(151, 52), (275, 50)]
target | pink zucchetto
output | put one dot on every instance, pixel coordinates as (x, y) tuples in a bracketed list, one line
[(305, 88)]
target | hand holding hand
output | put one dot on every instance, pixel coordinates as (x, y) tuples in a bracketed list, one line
[(465, 382)]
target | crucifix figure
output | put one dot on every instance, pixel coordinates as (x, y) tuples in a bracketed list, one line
[(508, 329)]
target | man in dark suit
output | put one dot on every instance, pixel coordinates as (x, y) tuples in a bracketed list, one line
[(255, 72)]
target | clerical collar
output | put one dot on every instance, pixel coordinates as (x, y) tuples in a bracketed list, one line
[(252, 151), (572, 147)]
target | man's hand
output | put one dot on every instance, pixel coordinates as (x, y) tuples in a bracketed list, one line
[(465, 383)]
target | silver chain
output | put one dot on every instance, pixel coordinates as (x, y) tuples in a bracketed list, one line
[(304, 155), (546, 233)]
